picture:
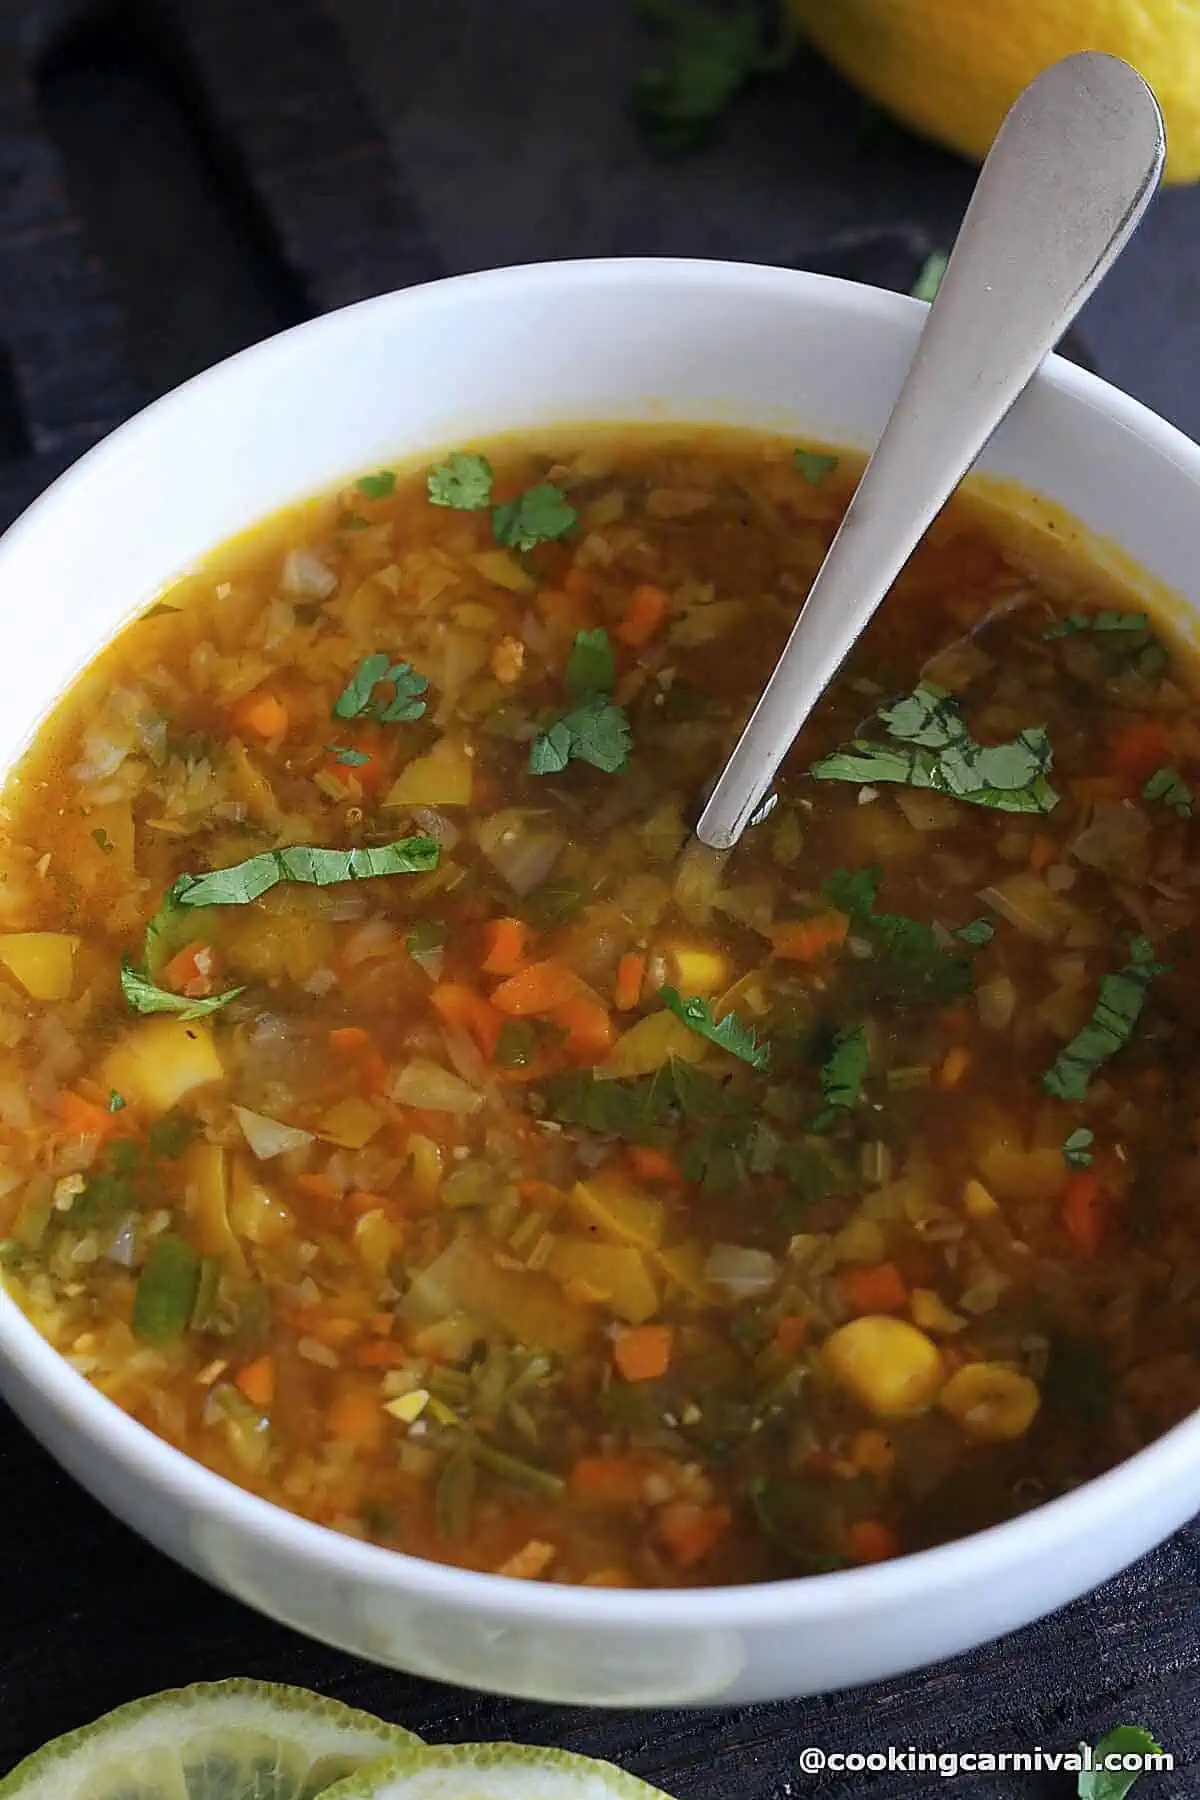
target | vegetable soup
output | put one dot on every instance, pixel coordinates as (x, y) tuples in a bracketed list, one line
[(392, 1119)]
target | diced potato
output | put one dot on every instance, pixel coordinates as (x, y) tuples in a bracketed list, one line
[(683, 1265), (159, 1062), (1018, 1175), (427, 1085), (621, 1213), (698, 970), (206, 1185), (992, 1403), (42, 961), (529, 1308), (351, 1123), (615, 1273), (890, 1367), (978, 1203), (255, 1213), (502, 569), (442, 777), (377, 1240), (647, 1045)]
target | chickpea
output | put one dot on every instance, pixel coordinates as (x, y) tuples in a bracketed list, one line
[(990, 1402), (893, 1369)]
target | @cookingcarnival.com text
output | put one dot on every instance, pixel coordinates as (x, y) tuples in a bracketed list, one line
[(906, 1759)]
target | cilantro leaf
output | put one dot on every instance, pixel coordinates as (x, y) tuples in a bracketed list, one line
[(537, 516), (1167, 784), (842, 1074), (463, 481), (105, 842), (379, 485), (929, 280), (116, 1102), (1099, 1783), (814, 465), (908, 960), (304, 863), (1126, 638), (710, 55), (852, 891), (144, 997), (358, 699), (976, 933), (729, 1033), (1117, 1011), (350, 759), (943, 756), (592, 667), (1106, 620), (1077, 1148), (597, 732)]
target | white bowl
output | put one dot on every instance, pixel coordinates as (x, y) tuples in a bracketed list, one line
[(416, 372)]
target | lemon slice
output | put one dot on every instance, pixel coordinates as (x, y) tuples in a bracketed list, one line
[(221, 1740), (489, 1772)]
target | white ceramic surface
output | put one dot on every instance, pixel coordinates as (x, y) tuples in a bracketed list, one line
[(419, 372)]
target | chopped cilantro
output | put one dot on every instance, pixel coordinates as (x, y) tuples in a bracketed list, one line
[(358, 699), (842, 1075), (814, 465), (1103, 1783), (379, 485), (908, 962), (517, 1044), (729, 1032), (852, 891), (929, 280), (1077, 1148), (943, 756), (1126, 638), (463, 481), (350, 759), (145, 997), (1167, 784), (537, 516), (246, 881), (976, 933), (1116, 1013), (710, 54), (556, 901), (105, 842), (596, 732), (1106, 620), (116, 1102), (592, 665)]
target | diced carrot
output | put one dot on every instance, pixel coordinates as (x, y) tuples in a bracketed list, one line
[(873, 1287), (1138, 750), (537, 989), (871, 1541), (955, 1064), (317, 1187), (357, 1045), (790, 1334), (84, 1118), (378, 1353), (631, 974), (505, 942), (649, 1164), (1042, 852), (589, 1028), (457, 1004), (648, 607), (257, 1381), (382, 1324), (356, 1416), (807, 940), (1083, 1210), (578, 583), (643, 1352), (191, 970), (261, 712), (348, 1040), (688, 1531), (609, 1480)]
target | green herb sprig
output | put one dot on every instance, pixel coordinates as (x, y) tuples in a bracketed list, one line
[(1115, 1015), (728, 1032)]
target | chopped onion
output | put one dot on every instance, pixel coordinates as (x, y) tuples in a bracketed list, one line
[(375, 937), (124, 1246), (427, 1085), (927, 812), (267, 1137), (1026, 902), (740, 1271), (306, 577), (520, 847), (1115, 839)]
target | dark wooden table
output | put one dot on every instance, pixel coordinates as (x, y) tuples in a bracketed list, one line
[(180, 177)]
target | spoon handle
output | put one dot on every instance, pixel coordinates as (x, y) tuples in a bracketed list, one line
[(1070, 174)]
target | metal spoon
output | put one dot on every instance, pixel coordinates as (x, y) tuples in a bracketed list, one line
[(1071, 172)]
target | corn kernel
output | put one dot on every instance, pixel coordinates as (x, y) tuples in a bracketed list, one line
[(889, 1366)]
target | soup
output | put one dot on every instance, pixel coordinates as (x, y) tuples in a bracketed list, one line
[(394, 1120)]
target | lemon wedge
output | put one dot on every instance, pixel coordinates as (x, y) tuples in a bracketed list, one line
[(490, 1772), (223, 1740)]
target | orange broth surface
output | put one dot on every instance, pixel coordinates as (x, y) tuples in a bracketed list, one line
[(493, 1185)]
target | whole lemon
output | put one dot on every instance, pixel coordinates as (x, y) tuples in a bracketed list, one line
[(952, 68)]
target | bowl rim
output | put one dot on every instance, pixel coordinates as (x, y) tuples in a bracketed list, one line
[(100, 1422)]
